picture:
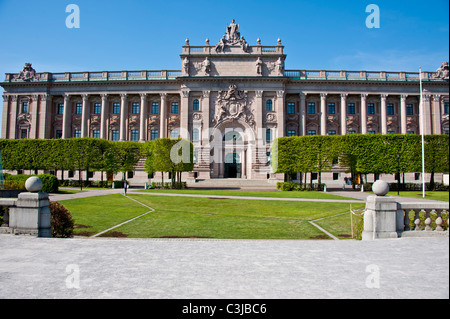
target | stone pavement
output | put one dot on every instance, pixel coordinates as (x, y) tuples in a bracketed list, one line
[(226, 269)]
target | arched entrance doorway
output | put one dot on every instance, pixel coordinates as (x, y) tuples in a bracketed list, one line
[(232, 166)]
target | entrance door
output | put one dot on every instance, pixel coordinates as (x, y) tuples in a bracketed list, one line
[(232, 166)]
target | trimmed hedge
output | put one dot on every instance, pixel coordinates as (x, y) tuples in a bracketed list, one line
[(49, 182)]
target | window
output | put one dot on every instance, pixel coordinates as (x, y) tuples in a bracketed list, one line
[(391, 132), (417, 176), (446, 132), (312, 132), (154, 134), (79, 108), (116, 108), (351, 132), (23, 133), (390, 109), (58, 134), (115, 135), (77, 133), (269, 158), (410, 132), (268, 135), (97, 108), (24, 107), (371, 108), (291, 108), (409, 109), (371, 132), (174, 133), (175, 108), (135, 135), (155, 108), (269, 105), (195, 135), (60, 109), (335, 176), (135, 108), (331, 108), (446, 107), (291, 133), (312, 108), (332, 132), (351, 109), (96, 133), (71, 174), (196, 105)]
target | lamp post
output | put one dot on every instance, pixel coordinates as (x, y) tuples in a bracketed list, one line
[(398, 173)]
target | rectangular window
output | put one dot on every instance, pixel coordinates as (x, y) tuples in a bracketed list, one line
[(409, 109), (115, 135), (135, 108), (391, 132), (195, 135), (116, 108), (77, 133), (291, 108), (60, 109), (96, 133), (174, 133), (417, 176), (446, 132), (24, 107), (351, 132), (335, 176), (23, 133), (312, 108), (155, 108), (312, 132), (331, 108), (269, 105), (58, 134), (174, 108), (371, 108), (371, 132), (135, 135), (390, 109), (410, 132), (154, 134), (291, 133), (332, 132), (268, 135), (196, 105), (351, 109), (79, 108), (446, 107), (97, 108)]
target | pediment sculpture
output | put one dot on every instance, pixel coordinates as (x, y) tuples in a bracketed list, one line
[(232, 36), (442, 72), (27, 74), (233, 104)]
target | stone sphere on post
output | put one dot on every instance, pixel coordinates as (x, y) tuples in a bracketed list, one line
[(33, 184), (380, 188)]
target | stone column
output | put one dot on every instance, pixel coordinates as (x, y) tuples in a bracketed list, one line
[(426, 104), (380, 217), (162, 117), (34, 110), (403, 126), (14, 107), (323, 113), (259, 110), (303, 114), (5, 116), (85, 116), (67, 118), (204, 154), (142, 118), (184, 114), (45, 117), (383, 120), (280, 113), (344, 113), (103, 116), (123, 117), (205, 112), (437, 129), (364, 113)]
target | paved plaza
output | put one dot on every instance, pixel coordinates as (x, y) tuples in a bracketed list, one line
[(251, 269)]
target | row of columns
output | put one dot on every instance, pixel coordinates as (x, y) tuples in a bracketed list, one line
[(428, 110)]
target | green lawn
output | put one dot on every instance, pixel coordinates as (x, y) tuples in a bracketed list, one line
[(434, 195), (206, 217), (279, 194)]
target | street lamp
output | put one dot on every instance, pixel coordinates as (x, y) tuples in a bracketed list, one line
[(398, 173)]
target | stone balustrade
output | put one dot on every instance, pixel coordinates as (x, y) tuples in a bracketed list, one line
[(422, 219), (358, 75)]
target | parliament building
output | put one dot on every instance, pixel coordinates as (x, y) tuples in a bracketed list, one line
[(230, 98)]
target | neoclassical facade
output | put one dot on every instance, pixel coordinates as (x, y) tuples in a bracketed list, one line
[(231, 99)]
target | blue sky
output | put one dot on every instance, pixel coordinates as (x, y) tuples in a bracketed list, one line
[(148, 35)]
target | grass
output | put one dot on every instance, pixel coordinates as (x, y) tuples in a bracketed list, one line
[(278, 194), (206, 217), (434, 195)]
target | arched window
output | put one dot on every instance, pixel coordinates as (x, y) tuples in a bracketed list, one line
[(232, 136), (269, 105), (196, 105)]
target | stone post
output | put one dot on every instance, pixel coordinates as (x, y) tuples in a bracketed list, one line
[(381, 214), (31, 214)]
